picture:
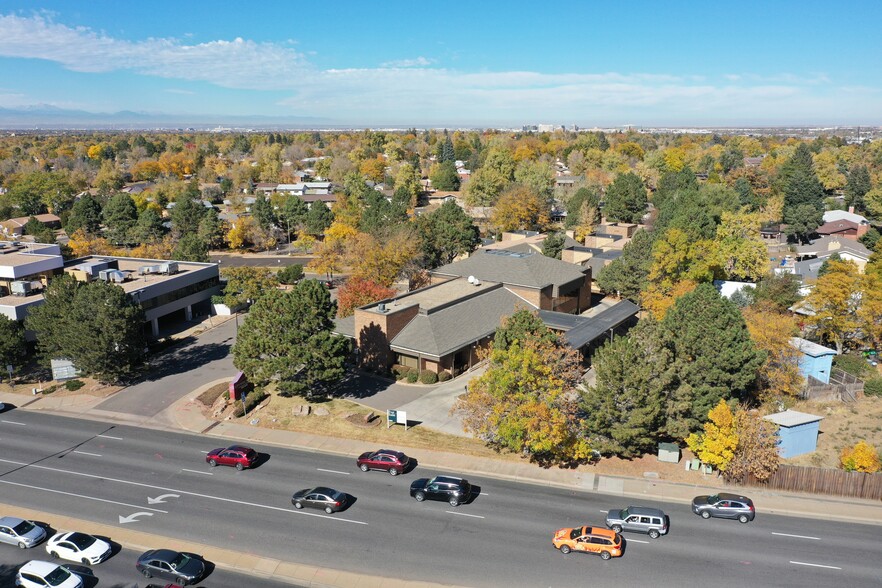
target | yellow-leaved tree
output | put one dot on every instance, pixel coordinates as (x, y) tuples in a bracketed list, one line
[(863, 457), (771, 331), (716, 445)]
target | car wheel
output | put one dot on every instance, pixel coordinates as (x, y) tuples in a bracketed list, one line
[(364, 467), (393, 471), (453, 502), (605, 555), (298, 505), (85, 561), (565, 549), (147, 573), (617, 528), (239, 467), (654, 533), (212, 462), (419, 496), (53, 554), (705, 514), (743, 518), (329, 510), (21, 545)]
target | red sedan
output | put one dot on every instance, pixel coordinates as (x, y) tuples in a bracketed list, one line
[(236, 455), (393, 462)]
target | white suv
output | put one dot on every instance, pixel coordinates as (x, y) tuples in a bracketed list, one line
[(40, 574)]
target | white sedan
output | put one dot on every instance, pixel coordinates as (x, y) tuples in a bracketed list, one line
[(78, 547), (40, 574)]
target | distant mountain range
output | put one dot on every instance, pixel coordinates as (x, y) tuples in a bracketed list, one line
[(45, 116)]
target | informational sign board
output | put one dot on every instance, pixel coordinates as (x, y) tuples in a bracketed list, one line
[(394, 417)]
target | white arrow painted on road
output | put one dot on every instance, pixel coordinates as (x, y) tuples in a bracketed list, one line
[(161, 499), (133, 518)]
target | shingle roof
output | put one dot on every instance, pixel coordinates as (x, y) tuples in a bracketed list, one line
[(518, 269), (453, 327), (595, 326), (837, 215), (345, 326)]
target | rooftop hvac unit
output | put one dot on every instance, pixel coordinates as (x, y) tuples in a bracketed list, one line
[(116, 276), (20, 288), (169, 267), (148, 269)]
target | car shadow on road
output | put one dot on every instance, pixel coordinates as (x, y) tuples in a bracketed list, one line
[(84, 572), (473, 495), (262, 458), (350, 501), (114, 546)]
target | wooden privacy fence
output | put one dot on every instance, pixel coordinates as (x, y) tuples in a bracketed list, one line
[(822, 481)]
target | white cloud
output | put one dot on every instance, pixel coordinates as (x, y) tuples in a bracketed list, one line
[(412, 91), (418, 62)]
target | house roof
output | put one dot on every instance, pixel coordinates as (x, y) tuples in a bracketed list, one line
[(531, 270), (833, 244), (837, 215), (593, 327), (345, 326), (808, 348), (792, 418), (837, 226), (452, 327)]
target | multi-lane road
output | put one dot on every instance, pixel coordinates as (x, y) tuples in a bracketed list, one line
[(502, 538)]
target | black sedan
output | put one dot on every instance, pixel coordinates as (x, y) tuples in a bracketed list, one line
[(174, 566), (327, 499)]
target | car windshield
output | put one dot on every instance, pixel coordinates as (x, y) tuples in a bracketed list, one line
[(58, 576), (23, 528), (180, 561), (712, 499), (81, 540), (625, 513), (576, 533)]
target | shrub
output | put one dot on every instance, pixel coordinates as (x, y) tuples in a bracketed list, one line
[(443, 376), (412, 376), (873, 386), (428, 377), (860, 458), (74, 385), (855, 365), (290, 274), (252, 399), (399, 370), (218, 299)]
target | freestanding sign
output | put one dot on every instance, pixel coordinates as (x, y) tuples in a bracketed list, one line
[(396, 417)]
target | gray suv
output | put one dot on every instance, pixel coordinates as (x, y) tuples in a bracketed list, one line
[(639, 519), (724, 506)]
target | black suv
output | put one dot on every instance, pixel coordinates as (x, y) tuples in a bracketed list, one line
[(454, 490)]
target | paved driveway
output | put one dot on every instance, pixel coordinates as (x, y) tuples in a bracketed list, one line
[(178, 372)]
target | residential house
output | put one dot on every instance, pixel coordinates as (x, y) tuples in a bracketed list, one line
[(14, 227), (844, 224)]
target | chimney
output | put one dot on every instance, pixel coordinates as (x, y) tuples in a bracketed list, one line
[(851, 209)]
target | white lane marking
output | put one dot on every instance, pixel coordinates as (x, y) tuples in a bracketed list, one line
[(463, 514), (15, 423), (81, 496), (797, 536), (334, 471), (604, 511), (109, 437), (203, 452), (87, 453), (196, 472), (141, 485), (484, 494), (802, 563), (636, 541)]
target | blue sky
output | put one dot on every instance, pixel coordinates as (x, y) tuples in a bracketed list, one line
[(659, 63)]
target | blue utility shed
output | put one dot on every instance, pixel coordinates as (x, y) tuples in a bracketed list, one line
[(797, 432), (815, 360)]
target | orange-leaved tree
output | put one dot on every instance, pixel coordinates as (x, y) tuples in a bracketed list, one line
[(359, 292)]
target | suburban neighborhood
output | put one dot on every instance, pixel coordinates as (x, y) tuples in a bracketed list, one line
[(397, 302)]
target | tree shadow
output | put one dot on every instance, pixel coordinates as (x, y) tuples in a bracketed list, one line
[(180, 360), (360, 385)]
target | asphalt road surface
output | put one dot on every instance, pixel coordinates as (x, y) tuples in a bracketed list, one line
[(502, 538), (178, 371), (119, 571)]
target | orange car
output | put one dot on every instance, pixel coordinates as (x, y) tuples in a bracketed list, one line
[(603, 542)]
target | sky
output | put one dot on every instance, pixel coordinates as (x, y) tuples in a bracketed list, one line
[(477, 63)]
